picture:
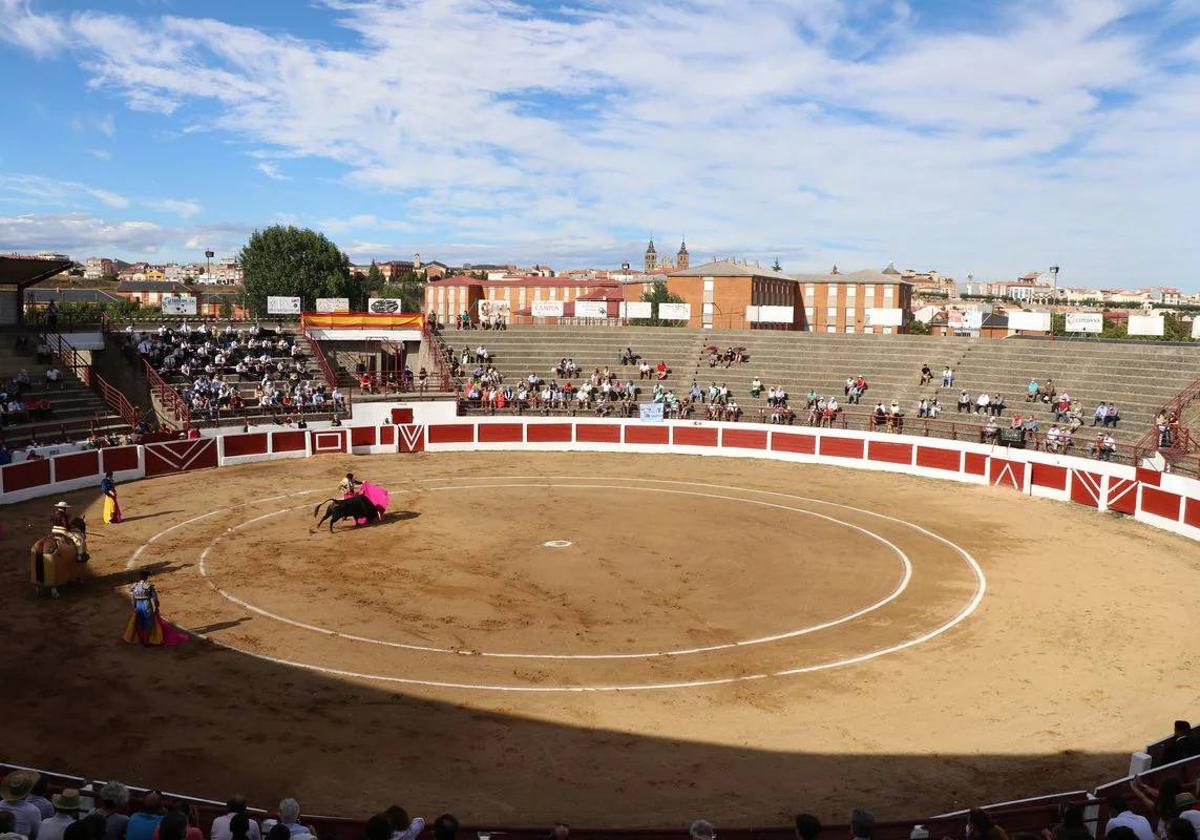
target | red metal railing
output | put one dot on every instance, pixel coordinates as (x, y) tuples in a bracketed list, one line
[(167, 395), (1182, 442), (314, 347), (69, 357), (438, 348)]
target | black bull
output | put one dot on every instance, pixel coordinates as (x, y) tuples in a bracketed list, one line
[(356, 507)]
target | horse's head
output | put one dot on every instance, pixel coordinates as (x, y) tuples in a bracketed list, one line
[(79, 524)]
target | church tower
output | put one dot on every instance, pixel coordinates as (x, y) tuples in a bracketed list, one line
[(682, 260), (651, 258)]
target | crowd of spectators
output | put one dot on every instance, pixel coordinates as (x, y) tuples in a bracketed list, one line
[(203, 360)]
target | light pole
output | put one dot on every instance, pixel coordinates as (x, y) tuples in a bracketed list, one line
[(208, 255)]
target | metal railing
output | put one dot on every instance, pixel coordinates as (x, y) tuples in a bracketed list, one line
[(167, 395), (69, 357), (1182, 443), (314, 348)]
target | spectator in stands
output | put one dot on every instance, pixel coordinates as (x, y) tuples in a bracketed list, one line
[(1099, 414), (1111, 416), (53, 378), (1120, 816), (702, 830), (144, 823), (445, 827), (1183, 743), (996, 406), (964, 401), (289, 817), (174, 826), (67, 806), (1185, 803), (808, 827), (662, 370), (756, 387), (926, 374), (862, 824), (1181, 829), (1031, 390), (948, 377), (983, 403), (1071, 825), (221, 826), (561, 831), (991, 432), (981, 827), (1160, 802), (113, 798), (14, 798), (403, 828), (38, 797), (7, 826)]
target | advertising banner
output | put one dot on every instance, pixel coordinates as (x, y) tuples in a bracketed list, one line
[(770, 314), (650, 412), (1145, 325), (333, 304), (637, 309), (488, 308), (547, 309), (1029, 321), (973, 320), (283, 305), (178, 305), (1085, 322), (878, 317), (384, 306), (675, 311), (591, 309)]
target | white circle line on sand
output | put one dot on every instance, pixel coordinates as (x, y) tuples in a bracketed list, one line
[(557, 544), (961, 616), (905, 578)]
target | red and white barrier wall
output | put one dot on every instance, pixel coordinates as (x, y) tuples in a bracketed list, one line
[(1165, 501)]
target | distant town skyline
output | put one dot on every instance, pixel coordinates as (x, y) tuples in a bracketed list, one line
[(985, 139)]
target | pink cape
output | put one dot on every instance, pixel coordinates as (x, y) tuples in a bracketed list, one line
[(377, 495)]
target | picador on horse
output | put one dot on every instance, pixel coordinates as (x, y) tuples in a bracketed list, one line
[(60, 557)]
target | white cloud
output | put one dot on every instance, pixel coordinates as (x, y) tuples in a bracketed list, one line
[(41, 35), (35, 189), (824, 131), (100, 154), (78, 233), (271, 170), (107, 125), (185, 208)]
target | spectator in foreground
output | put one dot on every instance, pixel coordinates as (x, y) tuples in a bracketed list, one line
[(222, 825), (1181, 829), (445, 827), (404, 828), (981, 827), (143, 824), (561, 831), (862, 824), (378, 828), (113, 797), (38, 797), (14, 793), (808, 827), (66, 811), (702, 830), (1183, 743), (1122, 817), (1071, 826), (1185, 803), (289, 817)]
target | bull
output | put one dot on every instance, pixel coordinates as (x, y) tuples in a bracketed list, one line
[(355, 507)]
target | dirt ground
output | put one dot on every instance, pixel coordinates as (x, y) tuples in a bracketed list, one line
[(599, 638)]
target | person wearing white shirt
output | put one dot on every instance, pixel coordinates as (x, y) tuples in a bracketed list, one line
[(1123, 817), (234, 806), (66, 811)]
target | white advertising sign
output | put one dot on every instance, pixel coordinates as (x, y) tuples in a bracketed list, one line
[(637, 309), (283, 305), (488, 308), (1085, 322), (675, 311), (591, 309), (1031, 321), (333, 304), (547, 309), (385, 306), (178, 305), (1145, 325), (973, 320), (651, 412), (770, 314), (1196, 328), (885, 317), (956, 319)]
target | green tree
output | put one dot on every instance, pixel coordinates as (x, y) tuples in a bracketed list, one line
[(658, 294), (409, 288), (226, 308), (374, 277), (291, 261), (777, 266), (916, 327)]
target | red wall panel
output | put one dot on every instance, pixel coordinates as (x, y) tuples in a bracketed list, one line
[(975, 464), (840, 447), (362, 436), (1048, 475), (893, 453), (387, 435), (1191, 512), (788, 442), (452, 433), (548, 433), (1005, 473), (597, 433), (936, 458), (120, 458), (77, 465), (744, 438), (26, 474), (252, 444), (694, 436), (1160, 502), (1122, 494), (646, 434), (1085, 488), (181, 455), (288, 441), (501, 433), (402, 415)]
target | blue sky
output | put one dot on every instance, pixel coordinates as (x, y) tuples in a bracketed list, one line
[(981, 138)]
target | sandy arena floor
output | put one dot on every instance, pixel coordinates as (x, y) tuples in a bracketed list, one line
[(607, 639)]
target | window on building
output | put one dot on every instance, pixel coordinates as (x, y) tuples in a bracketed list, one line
[(810, 292), (868, 290), (888, 290), (831, 313), (831, 328), (849, 328), (887, 330), (808, 312), (849, 311), (851, 291)]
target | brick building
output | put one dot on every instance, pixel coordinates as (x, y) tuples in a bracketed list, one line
[(855, 302), (720, 292), (449, 297)]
